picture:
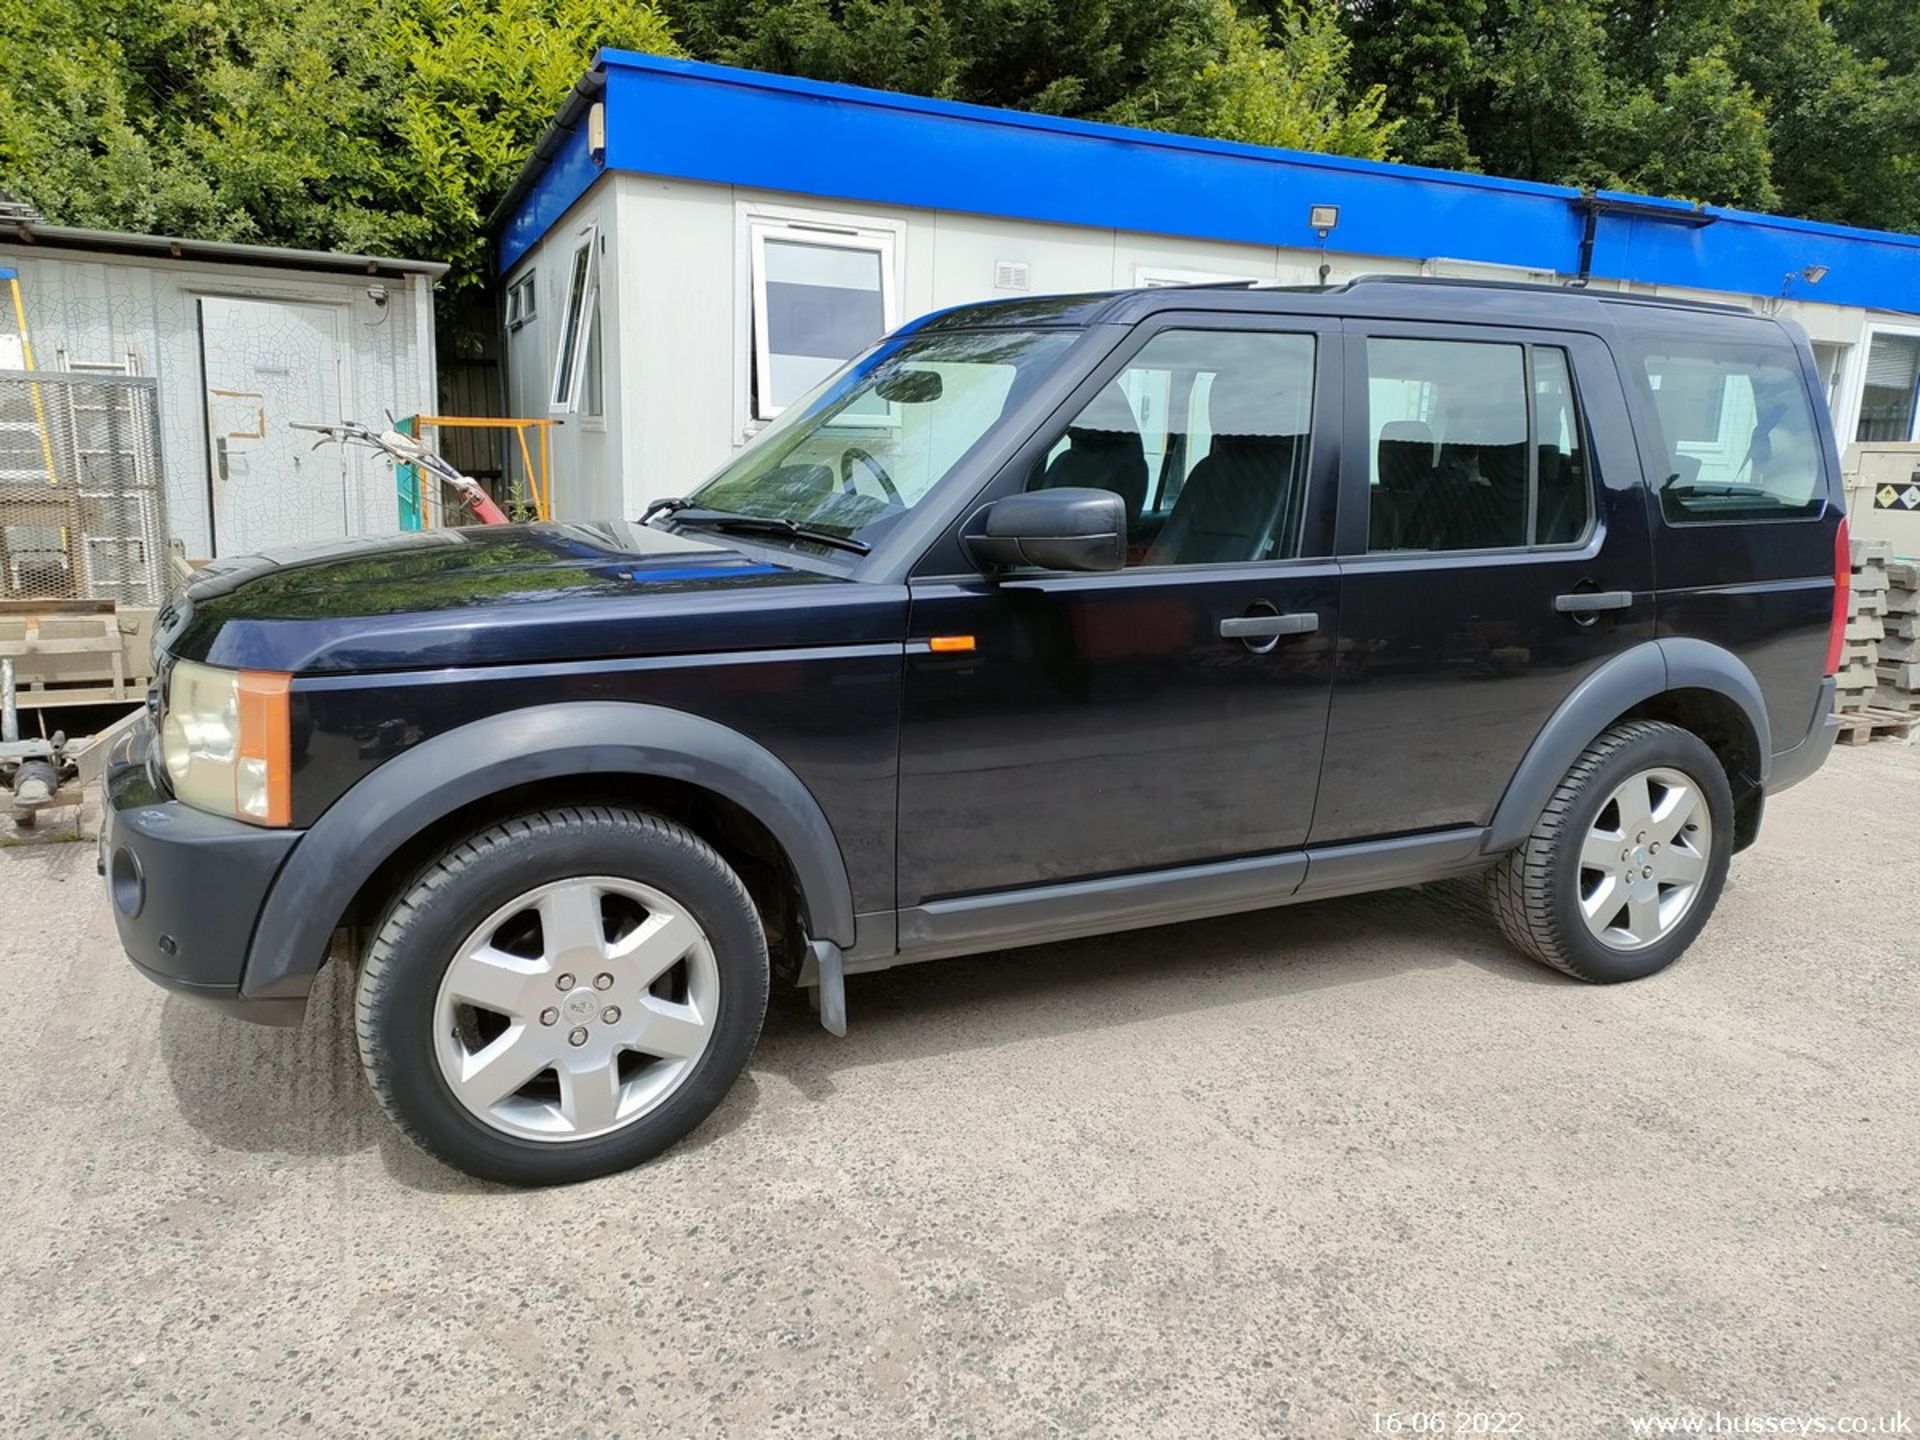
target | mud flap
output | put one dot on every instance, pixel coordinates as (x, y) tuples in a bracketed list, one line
[(832, 985)]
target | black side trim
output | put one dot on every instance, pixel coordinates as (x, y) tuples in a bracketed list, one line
[(1698, 665), (1007, 919), (1384, 864), (1004, 919), (1617, 686), (544, 742), (1647, 670), (1790, 767)]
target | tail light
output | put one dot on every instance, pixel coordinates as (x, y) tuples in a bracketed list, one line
[(1842, 584)]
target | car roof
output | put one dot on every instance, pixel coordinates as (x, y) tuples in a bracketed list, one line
[(1399, 296)]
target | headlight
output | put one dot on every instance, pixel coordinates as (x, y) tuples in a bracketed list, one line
[(225, 742)]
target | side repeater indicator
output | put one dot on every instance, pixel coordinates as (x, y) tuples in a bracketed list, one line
[(950, 644)]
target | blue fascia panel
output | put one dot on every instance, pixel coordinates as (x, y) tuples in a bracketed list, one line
[(693, 121), (1748, 254), (567, 176), (674, 118)]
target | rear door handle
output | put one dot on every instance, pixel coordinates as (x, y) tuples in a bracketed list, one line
[(1269, 627), (1592, 602)]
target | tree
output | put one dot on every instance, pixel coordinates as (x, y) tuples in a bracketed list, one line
[(886, 44), (1704, 135), (1193, 65), (1290, 88), (396, 125), (1272, 83), (1425, 56), (1550, 104), (363, 125)]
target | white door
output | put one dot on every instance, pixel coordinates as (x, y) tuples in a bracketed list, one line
[(269, 363)]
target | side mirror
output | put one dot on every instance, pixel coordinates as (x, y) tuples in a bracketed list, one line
[(1064, 529)]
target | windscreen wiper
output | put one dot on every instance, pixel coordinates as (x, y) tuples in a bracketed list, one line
[(729, 521), (1717, 492), (664, 507)]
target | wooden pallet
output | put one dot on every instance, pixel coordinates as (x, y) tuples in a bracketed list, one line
[(1857, 727), (64, 654)]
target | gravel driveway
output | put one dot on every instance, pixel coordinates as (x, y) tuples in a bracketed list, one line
[(1276, 1175)]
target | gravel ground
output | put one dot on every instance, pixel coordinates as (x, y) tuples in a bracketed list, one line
[(1274, 1175)]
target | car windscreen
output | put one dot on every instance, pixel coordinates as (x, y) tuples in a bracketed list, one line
[(875, 440)]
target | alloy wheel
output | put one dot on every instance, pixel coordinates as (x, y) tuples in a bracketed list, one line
[(1645, 859), (576, 1008)]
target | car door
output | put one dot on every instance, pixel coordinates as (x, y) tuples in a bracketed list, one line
[(1494, 551), (1060, 726)]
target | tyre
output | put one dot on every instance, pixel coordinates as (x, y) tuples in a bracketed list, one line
[(1626, 862), (562, 995)]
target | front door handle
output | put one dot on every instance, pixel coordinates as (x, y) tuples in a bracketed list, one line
[(1592, 602), (1269, 627)]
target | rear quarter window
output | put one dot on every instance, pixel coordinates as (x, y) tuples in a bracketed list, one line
[(1736, 430)]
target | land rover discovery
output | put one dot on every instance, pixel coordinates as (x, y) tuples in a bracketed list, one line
[(1041, 618)]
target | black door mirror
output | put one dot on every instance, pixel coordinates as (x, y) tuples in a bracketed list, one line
[(1062, 529)]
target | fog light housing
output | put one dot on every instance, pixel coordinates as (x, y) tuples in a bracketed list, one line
[(126, 883)]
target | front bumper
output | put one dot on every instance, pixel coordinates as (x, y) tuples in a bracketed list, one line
[(186, 887)]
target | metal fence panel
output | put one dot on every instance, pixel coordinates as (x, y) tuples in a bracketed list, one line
[(81, 509)]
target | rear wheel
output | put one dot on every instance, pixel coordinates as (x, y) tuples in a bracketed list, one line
[(562, 995), (1626, 862)]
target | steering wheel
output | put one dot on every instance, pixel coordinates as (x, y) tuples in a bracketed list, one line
[(854, 453)]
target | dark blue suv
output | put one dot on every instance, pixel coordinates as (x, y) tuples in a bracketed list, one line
[(1040, 619)]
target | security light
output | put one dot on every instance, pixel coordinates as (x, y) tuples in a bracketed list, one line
[(1812, 274), (1323, 218)]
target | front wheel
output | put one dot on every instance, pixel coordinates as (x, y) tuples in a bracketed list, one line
[(562, 995), (1627, 861)]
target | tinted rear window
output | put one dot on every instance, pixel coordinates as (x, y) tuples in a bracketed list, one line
[(1736, 428)]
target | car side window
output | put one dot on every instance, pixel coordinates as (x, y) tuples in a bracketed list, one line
[(1205, 439), (1563, 507), (1466, 454), (1737, 429)]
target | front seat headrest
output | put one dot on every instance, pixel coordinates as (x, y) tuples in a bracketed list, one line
[(1251, 402), (1108, 413)]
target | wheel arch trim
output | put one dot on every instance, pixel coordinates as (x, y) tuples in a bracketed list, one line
[(1628, 679), (424, 784)]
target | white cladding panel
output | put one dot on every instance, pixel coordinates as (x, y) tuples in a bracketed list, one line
[(678, 293)]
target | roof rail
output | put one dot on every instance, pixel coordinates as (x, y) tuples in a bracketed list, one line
[(1246, 285), (1460, 282), (1536, 287)]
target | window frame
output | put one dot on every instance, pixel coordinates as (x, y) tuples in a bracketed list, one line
[(521, 304), (1852, 384), (1357, 485), (1655, 456), (943, 558), (570, 362), (826, 233)]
